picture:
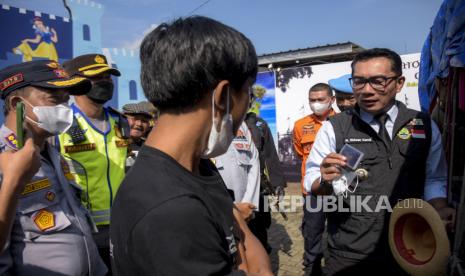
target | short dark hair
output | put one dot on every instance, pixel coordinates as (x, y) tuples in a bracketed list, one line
[(396, 61), (322, 86), (183, 60)]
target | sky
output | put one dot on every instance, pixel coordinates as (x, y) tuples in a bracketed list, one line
[(272, 25)]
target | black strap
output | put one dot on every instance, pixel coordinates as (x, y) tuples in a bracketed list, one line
[(121, 122)]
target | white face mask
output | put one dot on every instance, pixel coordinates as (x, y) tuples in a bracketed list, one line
[(341, 185), (320, 108), (219, 141), (54, 119)]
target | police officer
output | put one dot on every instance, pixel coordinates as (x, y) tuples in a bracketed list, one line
[(343, 91), (17, 168), (271, 175), (320, 97), (51, 234), (96, 145), (239, 167), (403, 157), (141, 117)]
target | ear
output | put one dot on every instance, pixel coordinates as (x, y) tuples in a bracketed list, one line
[(12, 104), (220, 98), (400, 83)]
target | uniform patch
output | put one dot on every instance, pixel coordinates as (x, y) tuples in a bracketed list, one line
[(80, 148), (122, 143), (418, 133), (416, 122), (66, 169), (242, 146), (50, 196), (61, 73), (308, 127), (44, 220), (404, 134), (53, 65), (11, 81), (99, 59), (11, 140), (36, 186)]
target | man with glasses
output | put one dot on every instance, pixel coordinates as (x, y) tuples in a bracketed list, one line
[(403, 157)]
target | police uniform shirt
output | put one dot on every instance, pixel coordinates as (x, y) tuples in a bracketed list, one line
[(240, 167), (51, 233), (436, 168)]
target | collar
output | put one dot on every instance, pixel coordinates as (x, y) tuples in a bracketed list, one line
[(392, 114), (77, 112)]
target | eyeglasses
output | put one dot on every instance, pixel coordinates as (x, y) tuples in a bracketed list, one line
[(378, 82)]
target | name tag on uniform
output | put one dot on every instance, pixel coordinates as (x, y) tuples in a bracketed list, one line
[(122, 143), (79, 148), (242, 146), (36, 186), (358, 140)]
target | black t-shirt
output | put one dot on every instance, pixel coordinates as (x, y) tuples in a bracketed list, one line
[(167, 221)]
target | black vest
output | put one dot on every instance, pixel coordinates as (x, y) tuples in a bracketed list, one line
[(397, 174)]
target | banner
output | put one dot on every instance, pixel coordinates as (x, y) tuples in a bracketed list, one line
[(30, 35), (264, 105)]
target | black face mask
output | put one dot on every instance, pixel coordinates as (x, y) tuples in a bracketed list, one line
[(101, 91), (343, 108)]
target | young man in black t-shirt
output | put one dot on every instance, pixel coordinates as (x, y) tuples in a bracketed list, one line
[(173, 214)]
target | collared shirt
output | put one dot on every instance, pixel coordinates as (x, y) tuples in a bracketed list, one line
[(240, 167), (51, 233), (436, 166)]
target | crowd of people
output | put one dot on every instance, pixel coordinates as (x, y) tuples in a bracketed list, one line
[(177, 185)]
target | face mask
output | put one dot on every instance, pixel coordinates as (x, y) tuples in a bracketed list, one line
[(320, 108), (219, 141), (342, 185), (101, 91), (53, 119), (343, 108)]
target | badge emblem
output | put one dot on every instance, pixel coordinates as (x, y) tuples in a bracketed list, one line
[(404, 134), (362, 174), (61, 73), (418, 133), (50, 196), (99, 59), (52, 65), (44, 220), (11, 140)]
